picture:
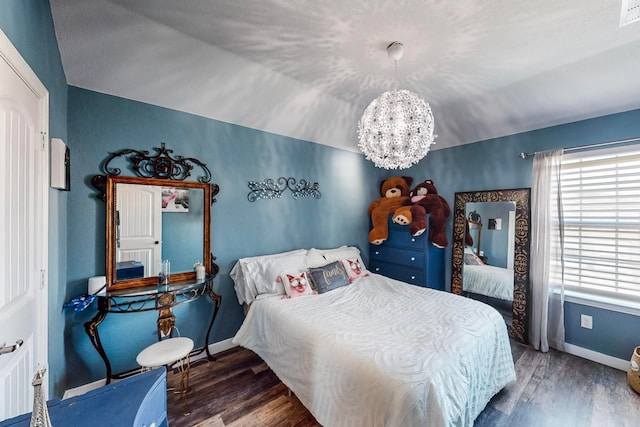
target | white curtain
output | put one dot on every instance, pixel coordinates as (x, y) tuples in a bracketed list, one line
[(547, 289)]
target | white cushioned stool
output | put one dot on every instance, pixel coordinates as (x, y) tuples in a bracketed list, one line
[(166, 352)]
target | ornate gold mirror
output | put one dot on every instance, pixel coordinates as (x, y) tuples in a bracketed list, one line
[(155, 216), (490, 260)]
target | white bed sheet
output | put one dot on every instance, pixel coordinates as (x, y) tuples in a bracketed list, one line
[(380, 352), (488, 280)]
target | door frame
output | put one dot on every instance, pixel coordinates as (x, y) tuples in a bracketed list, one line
[(12, 57)]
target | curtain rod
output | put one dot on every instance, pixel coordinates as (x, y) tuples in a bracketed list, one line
[(600, 144)]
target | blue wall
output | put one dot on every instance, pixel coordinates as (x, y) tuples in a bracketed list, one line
[(100, 124), (613, 333), (29, 26), (493, 243), (181, 234)]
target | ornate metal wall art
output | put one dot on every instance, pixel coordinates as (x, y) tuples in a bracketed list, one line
[(162, 165), (271, 189), (521, 197)]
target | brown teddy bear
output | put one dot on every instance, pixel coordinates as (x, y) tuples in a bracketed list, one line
[(395, 192), (424, 199)]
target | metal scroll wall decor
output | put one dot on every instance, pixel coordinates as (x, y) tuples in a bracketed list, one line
[(161, 166), (271, 189), (521, 197)]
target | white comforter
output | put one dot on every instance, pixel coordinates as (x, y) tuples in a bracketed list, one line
[(383, 353), (488, 280)]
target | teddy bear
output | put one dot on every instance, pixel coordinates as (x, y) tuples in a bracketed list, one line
[(423, 200), (394, 192)]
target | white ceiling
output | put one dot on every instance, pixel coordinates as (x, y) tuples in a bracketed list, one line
[(308, 69)]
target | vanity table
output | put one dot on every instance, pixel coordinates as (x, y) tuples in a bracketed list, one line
[(161, 299), (148, 217)]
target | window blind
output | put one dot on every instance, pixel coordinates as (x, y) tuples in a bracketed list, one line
[(600, 193)]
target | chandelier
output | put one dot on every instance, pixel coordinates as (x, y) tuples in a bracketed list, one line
[(396, 129)]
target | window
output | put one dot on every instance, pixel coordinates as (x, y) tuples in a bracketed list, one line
[(601, 209)]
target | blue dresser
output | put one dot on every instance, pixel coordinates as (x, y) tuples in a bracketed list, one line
[(139, 401), (409, 259)]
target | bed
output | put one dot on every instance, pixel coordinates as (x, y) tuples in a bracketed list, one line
[(489, 280), (376, 351), (488, 283)]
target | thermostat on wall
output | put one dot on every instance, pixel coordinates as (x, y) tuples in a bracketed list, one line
[(60, 165)]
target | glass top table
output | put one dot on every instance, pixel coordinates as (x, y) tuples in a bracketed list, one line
[(160, 298)]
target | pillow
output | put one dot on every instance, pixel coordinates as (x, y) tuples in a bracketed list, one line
[(329, 277), (320, 257), (246, 289), (472, 259), (262, 275), (354, 268), (239, 284), (296, 285), (237, 272), (316, 258)]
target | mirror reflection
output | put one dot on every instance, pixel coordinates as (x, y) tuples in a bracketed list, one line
[(152, 220), (490, 252), (487, 272), (155, 223)]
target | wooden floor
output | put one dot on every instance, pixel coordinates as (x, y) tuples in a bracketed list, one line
[(552, 389)]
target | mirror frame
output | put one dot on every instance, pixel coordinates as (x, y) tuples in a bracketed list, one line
[(522, 197), (111, 231), (162, 169)]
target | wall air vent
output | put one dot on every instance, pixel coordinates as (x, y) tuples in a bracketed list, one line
[(630, 12)]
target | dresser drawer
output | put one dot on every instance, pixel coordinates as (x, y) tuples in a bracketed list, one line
[(399, 236), (414, 276), (406, 257)]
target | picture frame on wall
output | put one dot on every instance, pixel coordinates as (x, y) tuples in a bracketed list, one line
[(175, 199)]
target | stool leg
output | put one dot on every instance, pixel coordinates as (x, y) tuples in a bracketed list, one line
[(184, 374), (185, 364)]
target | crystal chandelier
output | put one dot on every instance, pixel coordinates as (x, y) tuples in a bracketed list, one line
[(396, 129)]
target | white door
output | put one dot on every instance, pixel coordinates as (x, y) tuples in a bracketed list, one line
[(24, 169), (140, 225)]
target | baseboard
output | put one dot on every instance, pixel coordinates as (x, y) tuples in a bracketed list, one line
[(220, 346), (214, 348), (77, 391), (594, 356)]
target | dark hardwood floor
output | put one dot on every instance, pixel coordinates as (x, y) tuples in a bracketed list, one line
[(552, 389)]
